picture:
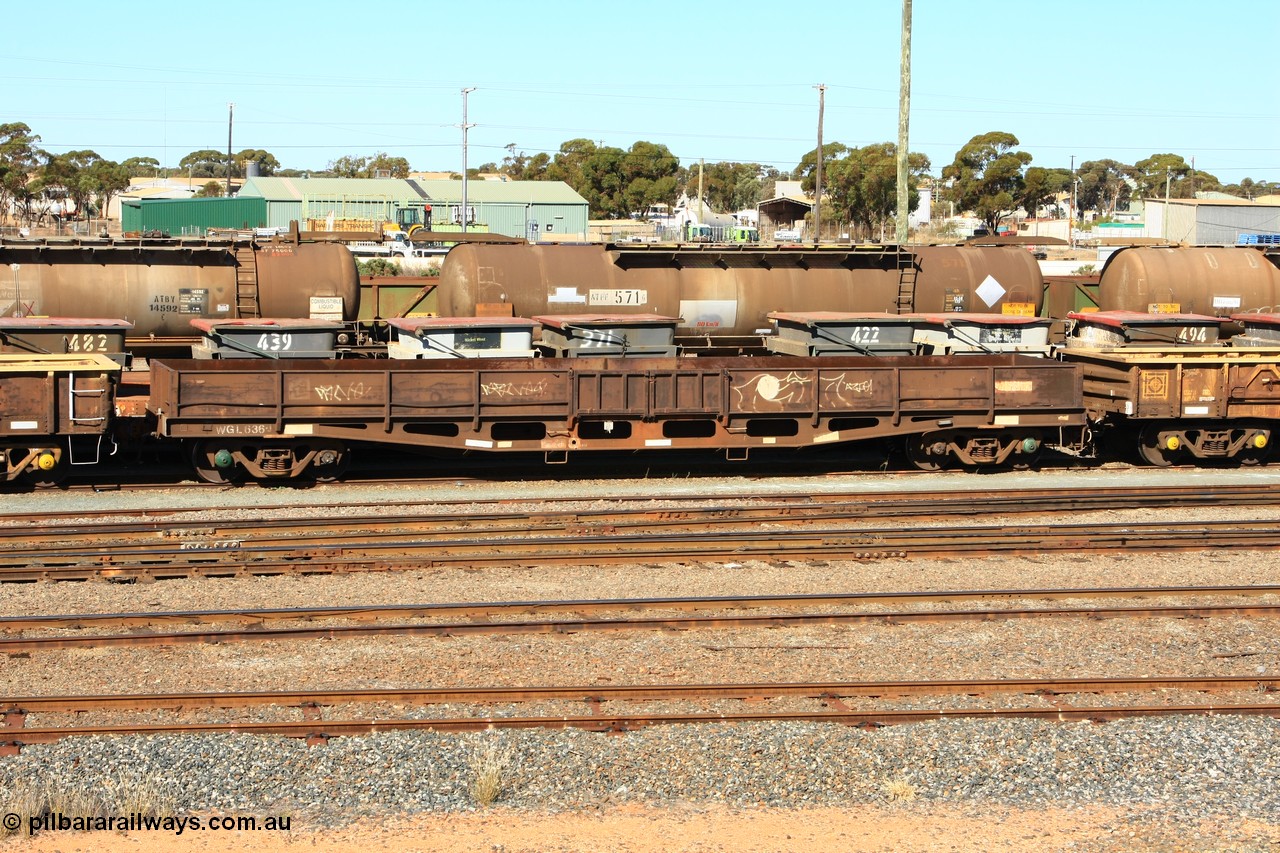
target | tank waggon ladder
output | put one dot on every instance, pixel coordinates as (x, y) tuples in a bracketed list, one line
[(247, 281), (906, 261)]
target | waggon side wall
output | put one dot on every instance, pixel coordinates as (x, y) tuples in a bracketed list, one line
[(42, 396), (597, 404), (1188, 382)]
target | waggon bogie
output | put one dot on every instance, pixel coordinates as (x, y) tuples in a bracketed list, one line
[(224, 461), (1165, 443), (975, 449), (41, 465)]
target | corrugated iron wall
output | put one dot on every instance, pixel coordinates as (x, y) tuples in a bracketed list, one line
[(194, 216), (554, 220)]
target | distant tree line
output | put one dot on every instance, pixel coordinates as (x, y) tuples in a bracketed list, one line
[(989, 178), (36, 185), (993, 180)]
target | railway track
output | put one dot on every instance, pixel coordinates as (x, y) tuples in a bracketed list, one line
[(478, 611), (691, 528), (859, 504), (831, 695), (214, 556), (398, 535)]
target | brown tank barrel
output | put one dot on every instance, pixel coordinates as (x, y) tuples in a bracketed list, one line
[(1214, 280), (160, 286), (731, 291), (291, 275)]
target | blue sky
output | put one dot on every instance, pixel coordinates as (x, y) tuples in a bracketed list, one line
[(722, 81)]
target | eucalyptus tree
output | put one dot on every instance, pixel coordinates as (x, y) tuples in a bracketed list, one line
[(986, 176), (19, 159)]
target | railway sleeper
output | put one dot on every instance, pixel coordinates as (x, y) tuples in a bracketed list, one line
[(1162, 443)]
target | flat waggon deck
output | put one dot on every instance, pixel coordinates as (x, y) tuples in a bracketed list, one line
[(612, 403)]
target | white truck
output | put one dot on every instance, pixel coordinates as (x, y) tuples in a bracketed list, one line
[(396, 245)]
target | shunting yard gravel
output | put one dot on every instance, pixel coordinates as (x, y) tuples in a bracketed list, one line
[(1163, 783)]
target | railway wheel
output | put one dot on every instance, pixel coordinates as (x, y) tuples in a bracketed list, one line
[(1256, 449), (49, 470), (215, 463), (330, 462), (1029, 449), (1250, 456), (1154, 451), (927, 452)]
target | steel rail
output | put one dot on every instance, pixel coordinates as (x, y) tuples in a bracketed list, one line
[(229, 559), (320, 732), (596, 693), (688, 623), (316, 731), (476, 609)]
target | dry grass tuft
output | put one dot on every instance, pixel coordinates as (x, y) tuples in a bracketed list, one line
[(491, 764), (899, 791), (140, 796), (29, 798), (24, 800)]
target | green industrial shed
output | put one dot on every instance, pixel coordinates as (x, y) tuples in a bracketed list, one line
[(538, 210), (191, 216)]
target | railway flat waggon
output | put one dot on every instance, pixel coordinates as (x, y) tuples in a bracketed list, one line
[(55, 412), (1169, 387), (290, 419), (1185, 403)]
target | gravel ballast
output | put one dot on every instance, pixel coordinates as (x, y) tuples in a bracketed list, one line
[(1191, 767), (1170, 769)]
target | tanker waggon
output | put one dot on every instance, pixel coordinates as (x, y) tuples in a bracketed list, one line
[(724, 294), (1213, 280), (160, 284)]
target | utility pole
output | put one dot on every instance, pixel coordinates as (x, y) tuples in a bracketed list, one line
[(231, 110), (1168, 179), (17, 291), (904, 117), (1071, 221), (465, 128), (702, 205), (817, 187)]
